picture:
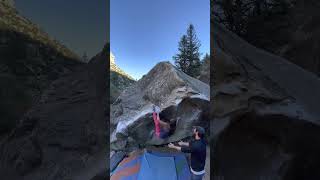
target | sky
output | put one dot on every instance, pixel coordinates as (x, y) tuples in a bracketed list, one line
[(81, 25), (145, 32)]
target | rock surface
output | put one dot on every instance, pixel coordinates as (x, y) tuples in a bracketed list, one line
[(289, 30), (265, 113), (178, 95), (62, 136), (27, 67), (29, 62)]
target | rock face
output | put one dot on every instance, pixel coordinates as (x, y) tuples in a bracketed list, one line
[(27, 67), (293, 34), (29, 62), (183, 100), (62, 136), (265, 113)]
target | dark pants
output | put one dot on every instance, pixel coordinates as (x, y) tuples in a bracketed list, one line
[(164, 133), (196, 177)]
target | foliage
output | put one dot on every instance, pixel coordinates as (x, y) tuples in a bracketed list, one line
[(188, 57), (240, 16)]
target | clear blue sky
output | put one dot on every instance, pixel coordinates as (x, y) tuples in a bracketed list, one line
[(145, 32)]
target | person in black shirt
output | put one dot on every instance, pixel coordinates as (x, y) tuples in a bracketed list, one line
[(197, 148)]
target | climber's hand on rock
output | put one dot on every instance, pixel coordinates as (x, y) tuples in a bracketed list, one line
[(181, 143), (156, 109), (170, 145)]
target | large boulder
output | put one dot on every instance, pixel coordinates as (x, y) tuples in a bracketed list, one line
[(62, 136), (265, 116), (182, 99)]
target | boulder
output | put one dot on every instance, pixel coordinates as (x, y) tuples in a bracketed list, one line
[(182, 99), (62, 136), (266, 121), (27, 68)]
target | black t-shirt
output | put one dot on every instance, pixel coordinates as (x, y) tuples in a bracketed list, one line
[(197, 148)]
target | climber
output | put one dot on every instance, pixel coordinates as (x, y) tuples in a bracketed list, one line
[(197, 148), (162, 128)]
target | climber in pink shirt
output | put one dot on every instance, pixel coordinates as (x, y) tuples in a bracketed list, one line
[(162, 128)]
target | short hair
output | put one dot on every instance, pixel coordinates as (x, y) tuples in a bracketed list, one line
[(200, 130)]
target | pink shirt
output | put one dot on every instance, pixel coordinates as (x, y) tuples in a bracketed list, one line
[(156, 123)]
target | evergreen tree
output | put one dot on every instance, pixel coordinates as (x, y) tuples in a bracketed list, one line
[(247, 18), (206, 59), (181, 60), (188, 58), (205, 63)]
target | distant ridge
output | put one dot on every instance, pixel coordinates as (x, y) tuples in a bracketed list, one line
[(10, 3), (115, 68), (119, 80), (11, 20)]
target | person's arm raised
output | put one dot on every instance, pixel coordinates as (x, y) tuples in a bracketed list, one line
[(181, 143), (156, 123), (170, 145)]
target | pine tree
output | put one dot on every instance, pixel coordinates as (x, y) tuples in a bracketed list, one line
[(181, 60), (206, 58), (188, 58), (205, 63)]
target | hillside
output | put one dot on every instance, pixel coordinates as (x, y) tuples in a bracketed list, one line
[(115, 68), (11, 20), (52, 105), (63, 136), (29, 62), (205, 71), (119, 79)]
